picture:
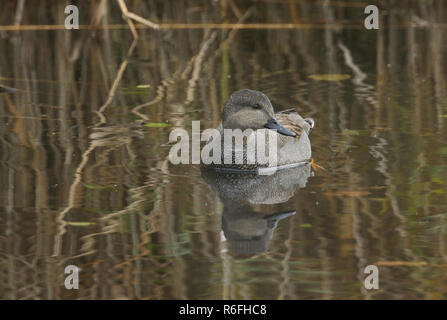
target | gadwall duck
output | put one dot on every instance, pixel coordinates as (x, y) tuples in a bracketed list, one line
[(251, 109)]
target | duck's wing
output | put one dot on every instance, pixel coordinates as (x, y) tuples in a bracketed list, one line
[(294, 122)]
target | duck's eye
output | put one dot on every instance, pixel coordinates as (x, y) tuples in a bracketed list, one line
[(256, 106)]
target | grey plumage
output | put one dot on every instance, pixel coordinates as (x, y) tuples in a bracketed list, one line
[(250, 109)]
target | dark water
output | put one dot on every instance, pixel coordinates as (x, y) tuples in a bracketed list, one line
[(86, 183)]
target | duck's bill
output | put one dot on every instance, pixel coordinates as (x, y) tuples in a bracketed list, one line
[(274, 125)]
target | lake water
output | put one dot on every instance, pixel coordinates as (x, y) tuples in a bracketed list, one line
[(86, 178)]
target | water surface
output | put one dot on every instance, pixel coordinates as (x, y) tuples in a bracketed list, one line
[(86, 183)]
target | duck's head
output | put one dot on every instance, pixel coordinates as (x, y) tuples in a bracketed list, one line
[(250, 109)]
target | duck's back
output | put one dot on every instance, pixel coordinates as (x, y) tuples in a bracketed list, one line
[(293, 149)]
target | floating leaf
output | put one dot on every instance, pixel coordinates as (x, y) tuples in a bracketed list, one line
[(329, 77), (97, 187), (135, 90), (156, 125), (347, 193), (305, 225), (378, 199), (143, 86), (80, 223), (352, 132), (441, 215), (402, 263), (438, 180), (379, 187), (382, 128)]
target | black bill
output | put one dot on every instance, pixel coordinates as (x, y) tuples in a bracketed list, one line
[(274, 125)]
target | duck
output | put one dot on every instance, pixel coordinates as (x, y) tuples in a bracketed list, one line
[(252, 109)]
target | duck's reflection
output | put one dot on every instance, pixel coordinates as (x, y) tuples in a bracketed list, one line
[(248, 230)]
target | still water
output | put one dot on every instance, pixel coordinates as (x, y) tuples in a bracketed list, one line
[(86, 179)]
